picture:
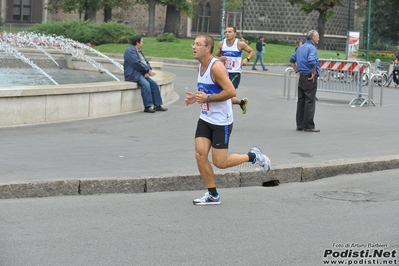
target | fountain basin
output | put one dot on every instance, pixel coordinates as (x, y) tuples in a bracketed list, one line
[(21, 105), (24, 105)]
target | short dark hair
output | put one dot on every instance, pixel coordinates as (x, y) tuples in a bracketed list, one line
[(234, 28), (208, 41), (136, 39), (260, 37)]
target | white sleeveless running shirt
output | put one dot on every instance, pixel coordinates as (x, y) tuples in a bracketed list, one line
[(216, 113), (233, 54)]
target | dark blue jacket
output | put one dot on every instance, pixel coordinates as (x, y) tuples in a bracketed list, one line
[(133, 68), (259, 46), (306, 58)]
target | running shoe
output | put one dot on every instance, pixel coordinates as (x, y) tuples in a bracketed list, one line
[(243, 106), (208, 199), (261, 159)]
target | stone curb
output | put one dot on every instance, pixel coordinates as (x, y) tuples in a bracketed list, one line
[(282, 174)]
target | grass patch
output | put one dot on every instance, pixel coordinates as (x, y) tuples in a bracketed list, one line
[(275, 53)]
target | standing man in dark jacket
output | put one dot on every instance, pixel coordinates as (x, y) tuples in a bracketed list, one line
[(138, 69), (305, 63), (260, 44)]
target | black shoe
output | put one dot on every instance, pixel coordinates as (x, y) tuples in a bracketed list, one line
[(299, 129), (149, 110), (265, 69), (160, 108), (254, 68), (312, 130)]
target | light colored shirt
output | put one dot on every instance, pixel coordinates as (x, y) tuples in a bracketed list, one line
[(216, 113), (233, 54)]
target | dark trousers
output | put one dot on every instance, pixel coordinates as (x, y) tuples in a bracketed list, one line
[(306, 105), (395, 76)]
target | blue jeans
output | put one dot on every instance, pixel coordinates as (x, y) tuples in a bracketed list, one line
[(259, 56), (150, 92)]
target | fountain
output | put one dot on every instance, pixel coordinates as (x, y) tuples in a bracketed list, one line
[(21, 105), (66, 45), (14, 52)]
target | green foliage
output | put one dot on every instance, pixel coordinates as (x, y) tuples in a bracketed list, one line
[(324, 7), (384, 24), (167, 37), (114, 32), (316, 5), (276, 41), (184, 6), (82, 6), (275, 53), (251, 39), (254, 39), (233, 5), (87, 31)]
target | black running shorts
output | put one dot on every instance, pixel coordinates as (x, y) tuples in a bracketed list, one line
[(218, 135)]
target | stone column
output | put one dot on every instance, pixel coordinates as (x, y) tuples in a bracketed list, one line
[(189, 26), (3, 7), (45, 11)]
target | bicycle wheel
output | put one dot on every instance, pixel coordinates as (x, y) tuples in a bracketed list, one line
[(324, 75), (384, 79), (389, 80)]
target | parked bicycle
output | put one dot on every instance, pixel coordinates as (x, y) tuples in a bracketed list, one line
[(394, 75), (382, 76)]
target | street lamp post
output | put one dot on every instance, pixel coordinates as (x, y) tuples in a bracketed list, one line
[(223, 20), (349, 15), (368, 32)]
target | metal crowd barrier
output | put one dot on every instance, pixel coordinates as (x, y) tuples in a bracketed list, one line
[(287, 82), (374, 80), (340, 76)]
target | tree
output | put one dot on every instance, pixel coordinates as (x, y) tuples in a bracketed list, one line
[(150, 5), (384, 25), (174, 10), (233, 5), (172, 21), (323, 7), (89, 8), (86, 7)]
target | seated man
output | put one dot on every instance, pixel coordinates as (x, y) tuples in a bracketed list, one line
[(138, 69)]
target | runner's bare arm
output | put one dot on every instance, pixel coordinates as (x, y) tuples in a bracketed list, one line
[(218, 53), (244, 46), (221, 77)]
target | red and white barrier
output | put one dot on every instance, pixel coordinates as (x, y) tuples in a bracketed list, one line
[(344, 66)]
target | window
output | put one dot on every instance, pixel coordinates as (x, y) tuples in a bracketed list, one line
[(22, 10)]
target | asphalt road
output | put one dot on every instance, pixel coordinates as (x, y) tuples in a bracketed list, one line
[(141, 144), (293, 224)]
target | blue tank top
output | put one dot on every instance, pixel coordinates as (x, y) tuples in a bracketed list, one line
[(233, 54), (216, 113)]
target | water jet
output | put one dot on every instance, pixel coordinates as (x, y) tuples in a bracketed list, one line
[(36, 103)]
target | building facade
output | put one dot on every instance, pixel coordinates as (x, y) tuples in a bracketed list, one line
[(23, 13), (272, 18)]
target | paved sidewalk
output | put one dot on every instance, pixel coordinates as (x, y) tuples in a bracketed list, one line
[(141, 152)]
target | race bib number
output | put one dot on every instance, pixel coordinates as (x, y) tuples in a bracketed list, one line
[(229, 64), (204, 108)]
